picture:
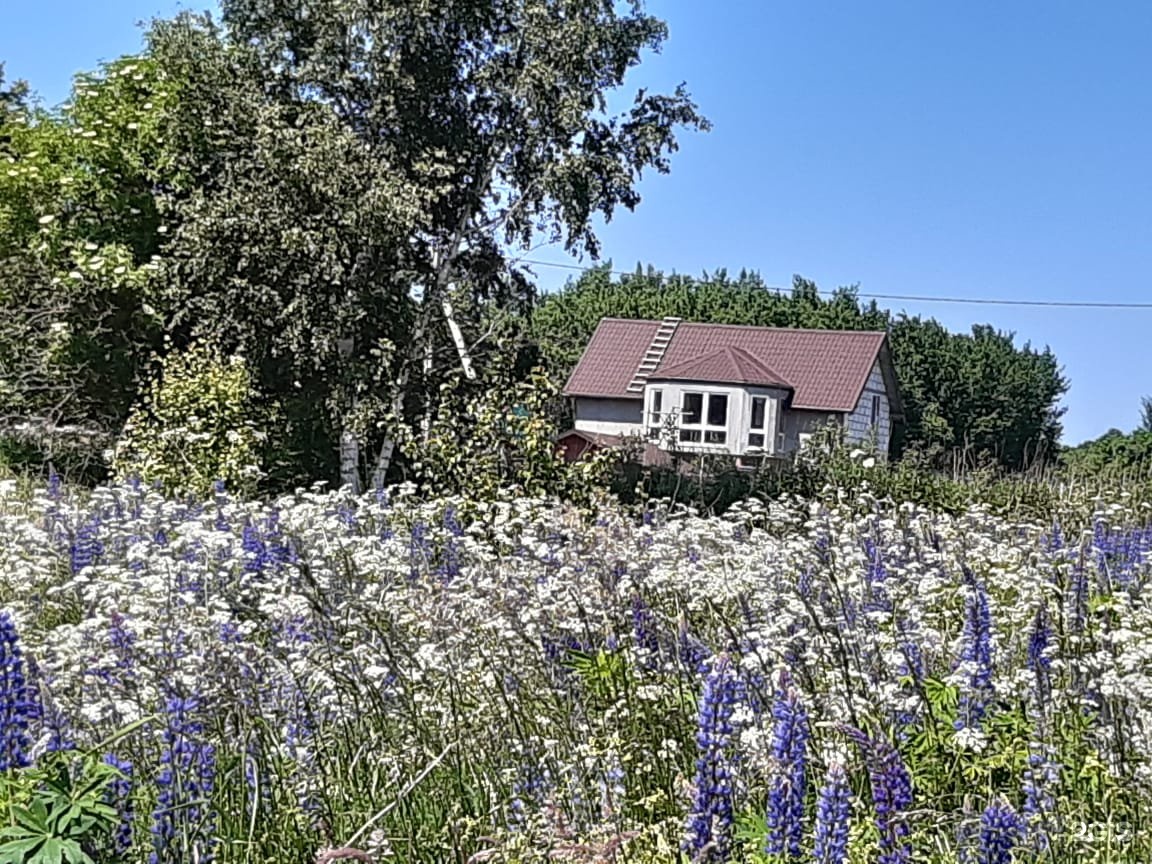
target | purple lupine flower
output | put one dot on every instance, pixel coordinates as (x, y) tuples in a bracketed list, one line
[(530, 789), (804, 583), (891, 794), (1038, 642), (17, 707), (53, 485), (1038, 660), (875, 578), (1040, 780), (347, 515), (45, 714), (691, 652), (255, 552), (790, 757), (182, 824), (419, 550), (119, 796), (999, 833), (833, 812), (643, 629), (86, 547), (449, 566), (710, 822), (976, 654), (122, 641)]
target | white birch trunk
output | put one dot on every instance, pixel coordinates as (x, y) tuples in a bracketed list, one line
[(349, 443), (458, 338), (426, 420)]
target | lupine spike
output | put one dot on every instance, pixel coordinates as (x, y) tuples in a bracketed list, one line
[(119, 795), (710, 822), (891, 794), (789, 751), (182, 824), (833, 817), (977, 691), (17, 707), (999, 833)]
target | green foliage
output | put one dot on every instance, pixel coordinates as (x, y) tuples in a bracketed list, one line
[(500, 438), (974, 397), (200, 422), (1114, 452), (322, 216), (78, 232), (312, 199), (57, 811)]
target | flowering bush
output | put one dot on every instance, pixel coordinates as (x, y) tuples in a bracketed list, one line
[(827, 680), (198, 423)]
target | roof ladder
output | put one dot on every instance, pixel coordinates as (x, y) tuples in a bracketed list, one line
[(655, 353)]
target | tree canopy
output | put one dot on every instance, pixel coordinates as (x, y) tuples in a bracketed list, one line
[(974, 394), (335, 189)]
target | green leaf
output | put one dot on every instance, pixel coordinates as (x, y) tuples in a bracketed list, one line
[(19, 851), (74, 853), (52, 852)]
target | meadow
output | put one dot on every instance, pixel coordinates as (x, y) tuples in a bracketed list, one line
[(390, 678)]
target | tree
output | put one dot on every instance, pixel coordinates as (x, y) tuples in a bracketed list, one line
[(1146, 414), (977, 394), (78, 235), (351, 173)]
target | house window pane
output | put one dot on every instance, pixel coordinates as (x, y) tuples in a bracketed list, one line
[(759, 403), (657, 407), (875, 410), (713, 436), (692, 408), (690, 435), (717, 410), (756, 439)]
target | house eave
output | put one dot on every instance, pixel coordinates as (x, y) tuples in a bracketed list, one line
[(629, 397)]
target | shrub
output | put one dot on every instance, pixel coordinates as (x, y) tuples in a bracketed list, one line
[(199, 422), (501, 438)]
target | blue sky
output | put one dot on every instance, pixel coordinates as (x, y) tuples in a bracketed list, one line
[(952, 150)]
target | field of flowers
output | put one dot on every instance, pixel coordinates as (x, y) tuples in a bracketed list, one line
[(390, 679)]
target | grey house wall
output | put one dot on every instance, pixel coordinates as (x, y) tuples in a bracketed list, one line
[(858, 425), (609, 416), (797, 423)]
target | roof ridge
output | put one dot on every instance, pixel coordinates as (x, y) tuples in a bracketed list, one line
[(760, 364), (688, 323)]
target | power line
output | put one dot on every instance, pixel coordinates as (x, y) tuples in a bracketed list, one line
[(916, 298)]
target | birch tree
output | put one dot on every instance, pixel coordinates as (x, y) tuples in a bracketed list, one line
[(501, 118)]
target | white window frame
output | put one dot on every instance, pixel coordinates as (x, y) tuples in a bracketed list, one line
[(655, 415), (876, 409), (704, 427), (762, 429)]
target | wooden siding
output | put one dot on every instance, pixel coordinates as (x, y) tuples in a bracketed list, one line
[(858, 425)]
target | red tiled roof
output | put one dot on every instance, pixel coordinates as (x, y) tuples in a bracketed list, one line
[(609, 362), (728, 364), (827, 369)]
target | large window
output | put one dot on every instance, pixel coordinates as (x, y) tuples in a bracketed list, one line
[(704, 418), (758, 427)]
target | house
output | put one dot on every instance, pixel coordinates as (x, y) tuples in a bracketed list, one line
[(748, 392)]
